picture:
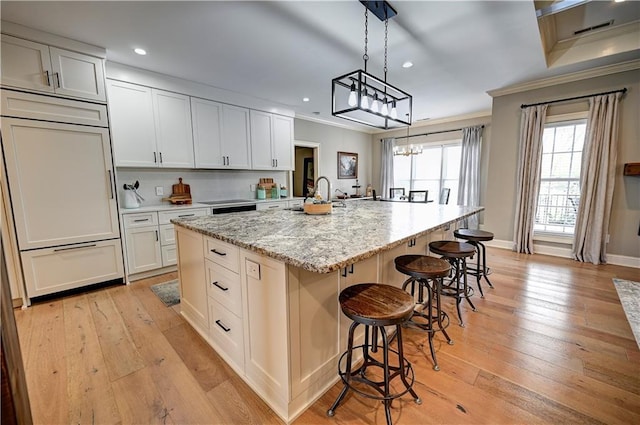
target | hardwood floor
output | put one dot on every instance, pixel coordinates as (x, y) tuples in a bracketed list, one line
[(550, 344)]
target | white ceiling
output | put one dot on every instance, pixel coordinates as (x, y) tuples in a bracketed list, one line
[(285, 50)]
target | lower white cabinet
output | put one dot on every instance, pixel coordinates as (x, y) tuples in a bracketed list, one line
[(51, 270), (150, 238), (227, 333), (143, 249)]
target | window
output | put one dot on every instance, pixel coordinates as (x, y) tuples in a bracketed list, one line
[(559, 193), (436, 167)]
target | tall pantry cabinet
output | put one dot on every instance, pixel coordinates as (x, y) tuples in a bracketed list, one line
[(60, 174)]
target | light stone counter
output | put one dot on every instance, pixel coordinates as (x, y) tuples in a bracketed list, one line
[(325, 243)]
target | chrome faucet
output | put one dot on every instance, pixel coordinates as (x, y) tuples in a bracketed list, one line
[(328, 198)]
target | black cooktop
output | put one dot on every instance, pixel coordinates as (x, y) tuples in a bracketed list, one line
[(228, 201)]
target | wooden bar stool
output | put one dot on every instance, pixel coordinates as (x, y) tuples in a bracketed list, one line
[(456, 253), (428, 273), (375, 306), (475, 238)]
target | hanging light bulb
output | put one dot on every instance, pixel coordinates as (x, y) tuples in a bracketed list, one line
[(394, 112), (385, 109), (364, 100), (353, 99), (375, 104)]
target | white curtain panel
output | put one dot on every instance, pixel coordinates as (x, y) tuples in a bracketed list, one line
[(386, 169), (528, 185), (469, 179), (597, 179)]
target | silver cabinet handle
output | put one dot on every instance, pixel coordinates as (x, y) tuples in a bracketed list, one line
[(186, 215), (140, 220), (224, 328), (74, 247), (276, 162), (274, 206)]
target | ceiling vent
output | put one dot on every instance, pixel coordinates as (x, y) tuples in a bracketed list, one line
[(594, 27)]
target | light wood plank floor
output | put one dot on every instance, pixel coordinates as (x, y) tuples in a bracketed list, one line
[(550, 344)]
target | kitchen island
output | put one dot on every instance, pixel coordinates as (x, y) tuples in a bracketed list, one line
[(262, 287)]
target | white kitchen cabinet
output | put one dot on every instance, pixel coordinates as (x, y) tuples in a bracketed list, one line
[(266, 326), (132, 126), (38, 67), (194, 303), (272, 205), (220, 135), (167, 232), (271, 141), (57, 199), (151, 128), (143, 249), (174, 138)]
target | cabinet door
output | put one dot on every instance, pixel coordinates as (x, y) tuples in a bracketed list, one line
[(235, 137), (143, 249), (61, 182), (132, 126), (206, 119), (26, 64), (261, 132), (282, 142), (174, 139), (191, 273), (390, 275), (77, 75)]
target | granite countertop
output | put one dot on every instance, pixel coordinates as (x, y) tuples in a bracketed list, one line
[(325, 243), (172, 207)]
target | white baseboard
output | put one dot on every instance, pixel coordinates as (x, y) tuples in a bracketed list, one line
[(618, 260)]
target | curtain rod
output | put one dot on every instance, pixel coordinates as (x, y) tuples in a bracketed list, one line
[(623, 90), (433, 132)]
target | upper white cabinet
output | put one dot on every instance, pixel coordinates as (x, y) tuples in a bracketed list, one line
[(271, 141), (38, 67), (220, 135), (151, 128)]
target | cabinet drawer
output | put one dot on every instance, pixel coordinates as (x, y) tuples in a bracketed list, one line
[(296, 203), (224, 286), (275, 205), (169, 257), (226, 331), (33, 106), (167, 234), (165, 217), (222, 253), (140, 219), (51, 270)]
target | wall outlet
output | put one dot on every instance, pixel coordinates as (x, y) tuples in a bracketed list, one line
[(253, 270), (159, 191), (608, 238), (252, 187)]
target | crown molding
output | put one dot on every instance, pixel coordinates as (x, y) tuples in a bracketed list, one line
[(335, 124), (567, 78), (484, 114)]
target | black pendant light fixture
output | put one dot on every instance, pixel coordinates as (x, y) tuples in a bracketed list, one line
[(361, 97)]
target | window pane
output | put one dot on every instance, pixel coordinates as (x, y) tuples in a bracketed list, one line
[(579, 137), (564, 139), (561, 165), (576, 163), (452, 162), (401, 168), (547, 139), (428, 163), (545, 169)]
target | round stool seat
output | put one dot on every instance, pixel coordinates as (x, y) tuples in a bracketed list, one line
[(473, 235), (452, 249), (375, 304), (422, 266)]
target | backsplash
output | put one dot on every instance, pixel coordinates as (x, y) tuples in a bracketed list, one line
[(205, 185)]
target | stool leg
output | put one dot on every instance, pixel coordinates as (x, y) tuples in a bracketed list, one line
[(347, 374), (431, 330), (466, 285), (437, 290), (478, 275), (385, 361), (484, 263), (403, 374)]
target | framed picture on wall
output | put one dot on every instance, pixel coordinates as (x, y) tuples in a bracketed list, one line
[(347, 165)]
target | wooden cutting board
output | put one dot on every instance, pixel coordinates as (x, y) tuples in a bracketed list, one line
[(181, 188)]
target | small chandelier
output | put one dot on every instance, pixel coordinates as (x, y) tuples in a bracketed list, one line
[(361, 97), (407, 149)]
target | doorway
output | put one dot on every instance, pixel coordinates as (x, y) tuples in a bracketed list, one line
[(306, 169)]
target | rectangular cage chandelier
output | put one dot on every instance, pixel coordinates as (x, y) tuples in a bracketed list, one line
[(366, 99)]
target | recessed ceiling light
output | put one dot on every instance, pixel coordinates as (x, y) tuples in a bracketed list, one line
[(140, 51), (407, 64), (305, 99)]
